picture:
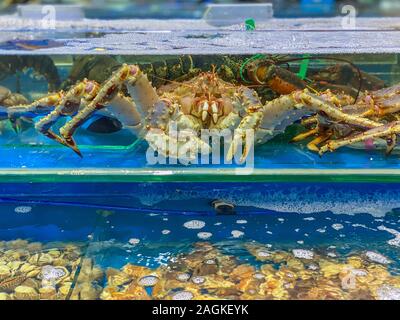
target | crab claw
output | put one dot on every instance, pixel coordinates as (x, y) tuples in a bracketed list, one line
[(70, 142), (244, 134)]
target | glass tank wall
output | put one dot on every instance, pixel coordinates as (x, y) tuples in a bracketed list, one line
[(41, 108)]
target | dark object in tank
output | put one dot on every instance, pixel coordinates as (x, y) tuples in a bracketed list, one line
[(97, 68), (223, 208), (104, 124), (43, 65), (342, 77)]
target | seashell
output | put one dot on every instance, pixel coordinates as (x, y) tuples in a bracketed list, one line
[(60, 262), (107, 293), (136, 292), (355, 262), (119, 279), (207, 267), (279, 256), (183, 276), (303, 254), (54, 253), (330, 269), (34, 273), (48, 293), (34, 247), (13, 255), (44, 259), (53, 275), (97, 274), (148, 281), (4, 296), (377, 257), (71, 247), (14, 265), (34, 259), (5, 272), (88, 292), (198, 280), (31, 283), (267, 269), (26, 293), (63, 291), (387, 292), (295, 264), (242, 271), (17, 244), (27, 267), (182, 295), (136, 271)]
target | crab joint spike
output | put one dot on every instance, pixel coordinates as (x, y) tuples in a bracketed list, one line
[(391, 143), (214, 110), (204, 113), (234, 146), (69, 142)]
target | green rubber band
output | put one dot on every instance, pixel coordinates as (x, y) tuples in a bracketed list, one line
[(250, 24), (302, 74)]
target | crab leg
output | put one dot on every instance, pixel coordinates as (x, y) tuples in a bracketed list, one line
[(277, 114), (254, 109), (390, 129), (128, 74), (68, 105), (36, 108)]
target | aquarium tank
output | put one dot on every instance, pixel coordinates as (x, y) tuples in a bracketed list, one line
[(238, 156)]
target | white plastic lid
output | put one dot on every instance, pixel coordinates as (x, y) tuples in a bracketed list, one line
[(56, 12)]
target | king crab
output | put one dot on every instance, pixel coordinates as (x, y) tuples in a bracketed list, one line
[(204, 102)]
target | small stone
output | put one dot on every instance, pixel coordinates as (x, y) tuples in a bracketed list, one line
[(303, 254), (194, 224)]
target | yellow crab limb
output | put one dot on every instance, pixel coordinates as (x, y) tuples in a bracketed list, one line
[(317, 104), (108, 91), (67, 105), (249, 122), (313, 145), (47, 101), (305, 135), (382, 131)]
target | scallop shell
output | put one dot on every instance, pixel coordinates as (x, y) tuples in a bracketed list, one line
[(54, 253), (148, 281), (14, 265), (26, 293), (119, 279), (88, 292), (31, 283), (48, 293), (34, 247), (64, 289), (136, 271), (17, 244), (5, 296), (5, 272)]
